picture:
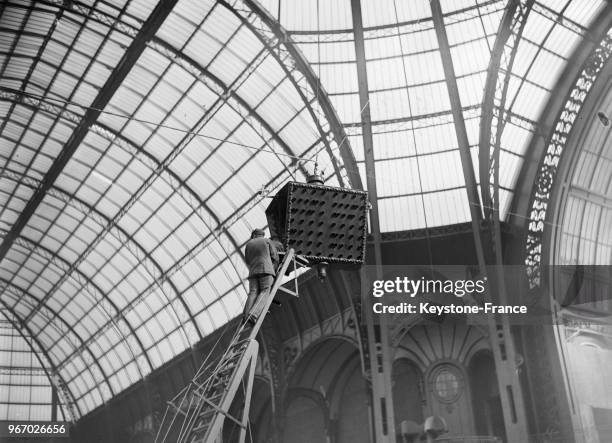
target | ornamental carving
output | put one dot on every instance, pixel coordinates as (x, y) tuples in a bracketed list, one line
[(554, 150)]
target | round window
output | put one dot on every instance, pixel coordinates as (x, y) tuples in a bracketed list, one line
[(447, 383)]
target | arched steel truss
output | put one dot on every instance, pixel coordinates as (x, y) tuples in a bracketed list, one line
[(494, 111), (555, 146)]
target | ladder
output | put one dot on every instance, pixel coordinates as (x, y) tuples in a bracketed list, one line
[(197, 413)]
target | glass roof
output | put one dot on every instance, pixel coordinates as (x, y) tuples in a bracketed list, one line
[(134, 252), (418, 172), (586, 216), (25, 388)]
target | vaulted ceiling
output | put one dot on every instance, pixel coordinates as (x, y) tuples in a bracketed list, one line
[(139, 141)]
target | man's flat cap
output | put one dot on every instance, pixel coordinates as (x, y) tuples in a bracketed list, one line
[(257, 233)]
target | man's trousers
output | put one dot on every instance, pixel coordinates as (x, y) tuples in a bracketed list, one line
[(258, 285)]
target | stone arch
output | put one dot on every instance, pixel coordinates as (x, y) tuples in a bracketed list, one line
[(408, 395), (486, 401), (327, 391)]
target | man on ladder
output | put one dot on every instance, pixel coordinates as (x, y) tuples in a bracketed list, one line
[(197, 413), (262, 259)]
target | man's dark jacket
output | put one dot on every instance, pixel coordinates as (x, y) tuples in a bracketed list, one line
[(260, 255)]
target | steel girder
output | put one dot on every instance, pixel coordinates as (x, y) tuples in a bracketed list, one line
[(379, 367), (39, 53), (494, 113), (501, 339), (460, 129)]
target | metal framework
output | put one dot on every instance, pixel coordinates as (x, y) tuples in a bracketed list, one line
[(500, 336), (126, 330), (460, 129), (64, 394), (142, 36), (213, 82), (238, 103), (378, 367), (225, 94), (161, 11), (40, 51), (280, 45), (67, 330), (43, 188), (494, 108), (549, 164), (495, 112), (167, 174), (141, 255)]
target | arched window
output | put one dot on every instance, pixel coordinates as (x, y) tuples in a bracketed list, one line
[(486, 402), (407, 391), (327, 395), (352, 416), (305, 419)]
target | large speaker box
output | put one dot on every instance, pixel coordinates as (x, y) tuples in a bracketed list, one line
[(321, 223)]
